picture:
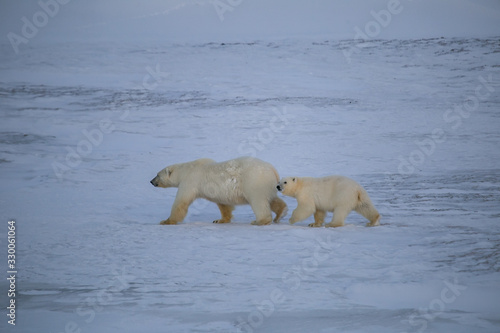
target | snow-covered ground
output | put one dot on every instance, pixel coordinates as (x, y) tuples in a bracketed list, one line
[(84, 127)]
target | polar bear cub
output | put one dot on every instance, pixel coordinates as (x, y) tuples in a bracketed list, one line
[(240, 181), (337, 194)]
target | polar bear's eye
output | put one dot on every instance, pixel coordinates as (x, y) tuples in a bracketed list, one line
[(284, 182)]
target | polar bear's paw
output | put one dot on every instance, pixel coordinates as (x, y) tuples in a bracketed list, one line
[(260, 222), (375, 221), (167, 222), (373, 224), (315, 225), (334, 225), (220, 221)]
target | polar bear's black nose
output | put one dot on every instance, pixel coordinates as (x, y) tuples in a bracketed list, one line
[(279, 188), (153, 182)]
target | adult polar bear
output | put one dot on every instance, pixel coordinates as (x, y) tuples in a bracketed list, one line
[(241, 181), (336, 194)]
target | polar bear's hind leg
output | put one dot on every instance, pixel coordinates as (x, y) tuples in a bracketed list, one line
[(365, 207), (262, 211), (279, 207), (339, 215), (370, 213)]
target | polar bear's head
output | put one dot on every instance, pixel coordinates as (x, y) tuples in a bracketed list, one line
[(165, 178), (287, 186)]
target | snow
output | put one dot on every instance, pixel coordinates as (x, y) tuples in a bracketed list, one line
[(86, 125)]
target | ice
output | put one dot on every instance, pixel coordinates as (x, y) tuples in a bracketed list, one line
[(85, 126)]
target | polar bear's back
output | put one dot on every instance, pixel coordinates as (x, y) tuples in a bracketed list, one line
[(247, 167), (237, 181), (332, 191)]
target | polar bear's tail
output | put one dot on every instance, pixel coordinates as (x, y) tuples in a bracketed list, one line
[(365, 207)]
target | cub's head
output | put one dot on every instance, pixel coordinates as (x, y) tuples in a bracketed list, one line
[(165, 178), (287, 186)]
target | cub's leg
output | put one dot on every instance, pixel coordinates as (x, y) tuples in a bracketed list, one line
[(319, 218), (226, 212), (279, 207), (303, 211), (339, 216)]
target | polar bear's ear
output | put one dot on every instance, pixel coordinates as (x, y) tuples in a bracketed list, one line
[(294, 180), (168, 172)]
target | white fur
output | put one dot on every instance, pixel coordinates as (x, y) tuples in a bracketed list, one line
[(244, 180), (337, 194)]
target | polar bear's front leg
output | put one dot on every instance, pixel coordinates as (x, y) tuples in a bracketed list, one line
[(179, 208), (167, 222), (303, 211), (319, 218), (226, 212), (178, 213)]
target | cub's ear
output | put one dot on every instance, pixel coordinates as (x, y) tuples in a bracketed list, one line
[(168, 172)]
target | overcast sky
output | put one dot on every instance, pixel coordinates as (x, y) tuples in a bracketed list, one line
[(240, 20)]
